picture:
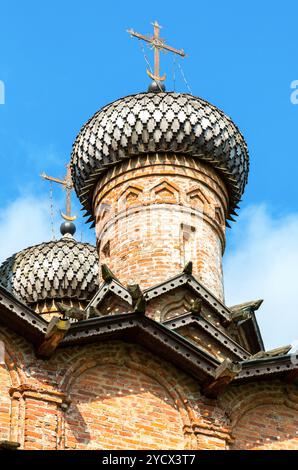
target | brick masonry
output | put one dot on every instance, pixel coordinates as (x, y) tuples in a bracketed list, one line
[(116, 395), (153, 214), (156, 213)]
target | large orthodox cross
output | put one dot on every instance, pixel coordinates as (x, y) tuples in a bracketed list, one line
[(158, 45), (68, 186)]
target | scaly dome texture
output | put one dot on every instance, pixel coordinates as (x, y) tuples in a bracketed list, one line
[(63, 269), (159, 122)]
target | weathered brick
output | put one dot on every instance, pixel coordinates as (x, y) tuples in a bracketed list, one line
[(177, 215), (124, 397)]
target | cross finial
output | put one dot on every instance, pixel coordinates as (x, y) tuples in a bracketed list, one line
[(158, 44), (68, 186)]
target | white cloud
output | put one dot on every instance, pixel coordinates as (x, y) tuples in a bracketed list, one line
[(23, 223), (26, 221), (263, 263)]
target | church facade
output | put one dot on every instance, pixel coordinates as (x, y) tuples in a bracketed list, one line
[(129, 344)]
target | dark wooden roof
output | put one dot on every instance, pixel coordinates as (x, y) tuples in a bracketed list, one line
[(146, 123), (156, 337), (161, 339), (60, 269)]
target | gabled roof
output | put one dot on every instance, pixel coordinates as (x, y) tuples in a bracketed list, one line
[(201, 323), (187, 280), (113, 286), (164, 338), (195, 286), (161, 339), (242, 316)]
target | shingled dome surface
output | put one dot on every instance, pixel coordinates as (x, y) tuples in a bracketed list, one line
[(63, 269), (159, 122)]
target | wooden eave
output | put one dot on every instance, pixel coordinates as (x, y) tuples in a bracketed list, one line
[(154, 336), (284, 367), (20, 318)]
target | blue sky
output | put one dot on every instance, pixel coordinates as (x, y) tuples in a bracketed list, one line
[(61, 61)]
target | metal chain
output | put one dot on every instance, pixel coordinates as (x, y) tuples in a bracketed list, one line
[(183, 76), (147, 62), (52, 211), (174, 72), (145, 55)]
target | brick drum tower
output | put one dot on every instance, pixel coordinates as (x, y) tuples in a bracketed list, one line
[(160, 173), (145, 354)]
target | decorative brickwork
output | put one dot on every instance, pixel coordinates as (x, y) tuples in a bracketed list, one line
[(116, 395), (267, 427), (111, 395), (158, 212)]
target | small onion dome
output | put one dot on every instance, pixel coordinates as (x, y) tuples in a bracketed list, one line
[(159, 122), (63, 269)]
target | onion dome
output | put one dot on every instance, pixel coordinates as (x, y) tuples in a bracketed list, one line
[(63, 269), (159, 122)]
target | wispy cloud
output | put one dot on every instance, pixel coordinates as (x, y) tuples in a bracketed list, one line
[(24, 222), (263, 263)]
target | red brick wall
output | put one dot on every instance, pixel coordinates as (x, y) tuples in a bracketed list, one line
[(264, 414), (116, 407), (5, 385), (107, 395), (40, 424), (155, 214), (118, 395), (267, 427)]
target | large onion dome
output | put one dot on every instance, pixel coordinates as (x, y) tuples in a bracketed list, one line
[(59, 270), (159, 122)]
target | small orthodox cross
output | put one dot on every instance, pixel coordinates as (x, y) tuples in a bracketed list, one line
[(158, 45), (68, 186)]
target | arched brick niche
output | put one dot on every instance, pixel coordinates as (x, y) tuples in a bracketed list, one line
[(264, 415), (267, 427), (118, 407), (123, 397)]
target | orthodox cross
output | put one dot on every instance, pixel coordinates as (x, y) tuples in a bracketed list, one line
[(68, 186), (158, 45)]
